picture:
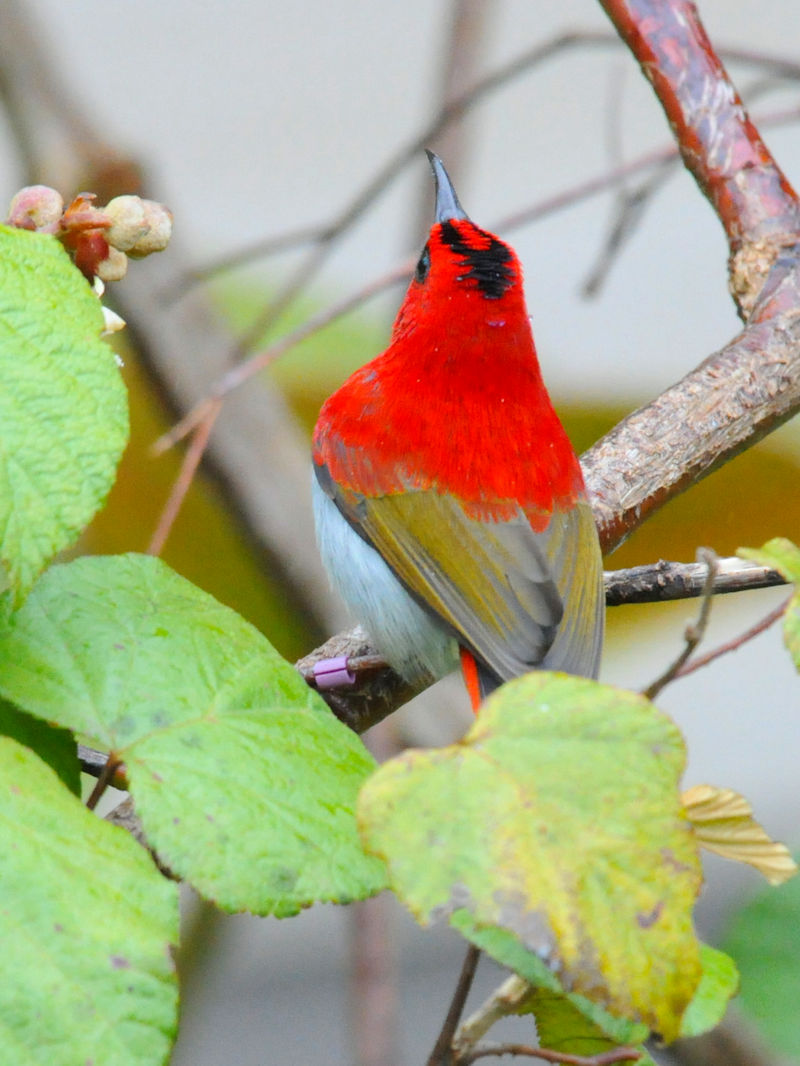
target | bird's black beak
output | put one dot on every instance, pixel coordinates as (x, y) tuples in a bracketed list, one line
[(447, 205)]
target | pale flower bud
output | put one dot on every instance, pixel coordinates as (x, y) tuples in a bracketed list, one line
[(36, 207), (138, 226), (159, 230), (113, 267), (128, 223)]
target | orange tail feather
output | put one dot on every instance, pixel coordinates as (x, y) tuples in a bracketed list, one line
[(469, 669)]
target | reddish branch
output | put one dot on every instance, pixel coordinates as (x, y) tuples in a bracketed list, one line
[(736, 642), (604, 1058), (720, 146)]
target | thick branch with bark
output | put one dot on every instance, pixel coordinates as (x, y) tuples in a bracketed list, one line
[(732, 400), (720, 146)]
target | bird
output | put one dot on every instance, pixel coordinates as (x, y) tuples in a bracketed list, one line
[(450, 508)]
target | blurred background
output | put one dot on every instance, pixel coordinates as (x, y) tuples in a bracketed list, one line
[(257, 121)]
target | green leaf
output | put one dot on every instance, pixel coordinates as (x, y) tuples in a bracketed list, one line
[(762, 938), (87, 926), (781, 555), (574, 1026), (53, 745), (63, 408), (565, 1021), (244, 781), (719, 983), (558, 821)]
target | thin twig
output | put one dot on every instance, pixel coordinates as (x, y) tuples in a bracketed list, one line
[(780, 66), (694, 632), (242, 372), (183, 482), (453, 109), (736, 643), (245, 370), (627, 214), (103, 781), (603, 1058), (442, 1049), (664, 581), (504, 1001), (296, 238)]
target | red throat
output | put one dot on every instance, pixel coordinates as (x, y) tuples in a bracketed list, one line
[(456, 402)]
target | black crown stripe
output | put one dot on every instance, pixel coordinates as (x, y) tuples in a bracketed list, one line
[(489, 267)]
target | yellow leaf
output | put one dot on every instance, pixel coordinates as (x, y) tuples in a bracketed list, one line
[(723, 822), (553, 833)]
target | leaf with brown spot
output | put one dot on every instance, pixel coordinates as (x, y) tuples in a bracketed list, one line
[(557, 824)]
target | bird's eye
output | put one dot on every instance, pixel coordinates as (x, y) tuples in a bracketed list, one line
[(423, 266)]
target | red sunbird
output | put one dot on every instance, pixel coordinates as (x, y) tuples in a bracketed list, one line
[(450, 507)]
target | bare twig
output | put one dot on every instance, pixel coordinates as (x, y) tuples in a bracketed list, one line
[(442, 1050), (244, 371), (736, 643), (296, 238), (503, 1002), (782, 67), (627, 213), (603, 1058), (183, 482), (662, 581), (694, 631), (103, 781)]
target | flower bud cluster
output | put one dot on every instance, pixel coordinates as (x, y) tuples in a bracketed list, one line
[(100, 239)]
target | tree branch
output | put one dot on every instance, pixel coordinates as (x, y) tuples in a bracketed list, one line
[(662, 581), (442, 1053), (695, 631), (378, 690), (733, 645), (603, 1058), (720, 146)]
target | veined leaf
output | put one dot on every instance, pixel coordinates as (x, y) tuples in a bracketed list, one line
[(554, 826), (63, 407), (243, 779), (87, 925)]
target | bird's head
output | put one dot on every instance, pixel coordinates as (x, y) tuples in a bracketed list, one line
[(464, 271)]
